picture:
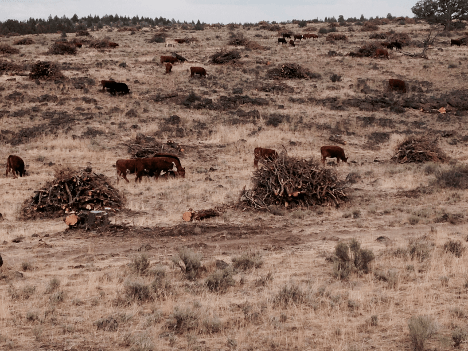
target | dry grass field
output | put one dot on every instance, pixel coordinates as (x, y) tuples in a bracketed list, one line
[(125, 288)]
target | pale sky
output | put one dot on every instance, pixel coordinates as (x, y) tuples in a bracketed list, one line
[(208, 11)]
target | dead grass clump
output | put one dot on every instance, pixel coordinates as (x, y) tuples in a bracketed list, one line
[(291, 294), (292, 182), (220, 280), (291, 71), (420, 248), (189, 262), (455, 177), (225, 56), (137, 292), (419, 149), (21, 294), (24, 41), (458, 336), (6, 49), (82, 33), (351, 258), (378, 36), (45, 70), (161, 287), (75, 191), (184, 320), (53, 285), (159, 37), (421, 328), (336, 36), (109, 323), (62, 48), (455, 247), (247, 261), (238, 39), (140, 264), (9, 66)]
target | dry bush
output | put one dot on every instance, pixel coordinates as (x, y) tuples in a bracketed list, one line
[(419, 149), (6, 66), (99, 43), (378, 36), (159, 37), (247, 261), (189, 262), (62, 48), (454, 247), (140, 264), (421, 328), (402, 38), (136, 291), (351, 258), (225, 56), (292, 182), (220, 280), (291, 71), (24, 41), (196, 320), (336, 36), (82, 33), (420, 248), (291, 294), (238, 39), (455, 177), (369, 26), (8, 50)]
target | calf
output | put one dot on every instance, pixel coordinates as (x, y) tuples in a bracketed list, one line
[(122, 167), (15, 165), (397, 85), (291, 42), (197, 70), (286, 35), (395, 44), (333, 152), (168, 68), (313, 36), (381, 52), (112, 45), (457, 42), (170, 59), (114, 87), (264, 154), (282, 41)]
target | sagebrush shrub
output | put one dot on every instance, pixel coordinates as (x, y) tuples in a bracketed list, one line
[(247, 261), (351, 258), (191, 263), (220, 280), (454, 247), (421, 328), (140, 264)]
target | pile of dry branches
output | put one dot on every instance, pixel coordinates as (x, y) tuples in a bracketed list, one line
[(419, 149), (146, 146), (336, 36), (7, 49), (24, 41), (367, 50), (293, 182), (290, 71), (99, 43), (159, 37), (45, 70), (238, 39), (72, 191), (224, 56), (369, 26), (62, 48)]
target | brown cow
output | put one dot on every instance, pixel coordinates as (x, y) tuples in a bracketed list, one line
[(15, 165), (170, 59), (291, 42), (112, 44), (106, 84), (264, 154), (298, 37), (197, 70), (155, 165), (168, 68), (314, 36), (122, 167), (381, 52), (457, 42), (397, 85), (332, 152)]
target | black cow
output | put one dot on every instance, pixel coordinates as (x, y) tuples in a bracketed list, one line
[(114, 87), (282, 41)]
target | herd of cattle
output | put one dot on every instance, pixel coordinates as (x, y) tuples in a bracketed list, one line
[(163, 164)]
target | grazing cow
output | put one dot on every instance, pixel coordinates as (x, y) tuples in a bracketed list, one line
[(180, 41), (397, 85), (313, 36), (333, 152), (112, 45), (155, 165), (298, 37), (395, 44), (381, 52), (264, 154), (15, 165), (168, 68), (286, 35), (114, 87), (170, 59), (385, 44), (122, 167), (197, 70), (169, 174), (457, 42), (78, 45), (291, 42), (282, 41)]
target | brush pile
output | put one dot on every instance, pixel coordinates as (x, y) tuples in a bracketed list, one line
[(45, 70), (99, 43), (336, 36), (24, 41), (224, 56), (72, 190), (146, 146), (159, 37), (367, 50), (291, 71), (7, 49), (62, 48), (292, 182), (418, 150)]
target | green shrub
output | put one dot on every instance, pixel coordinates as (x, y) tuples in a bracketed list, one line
[(351, 258), (220, 280), (140, 264), (191, 263), (454, 247), (421, 328), (247, 261)]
